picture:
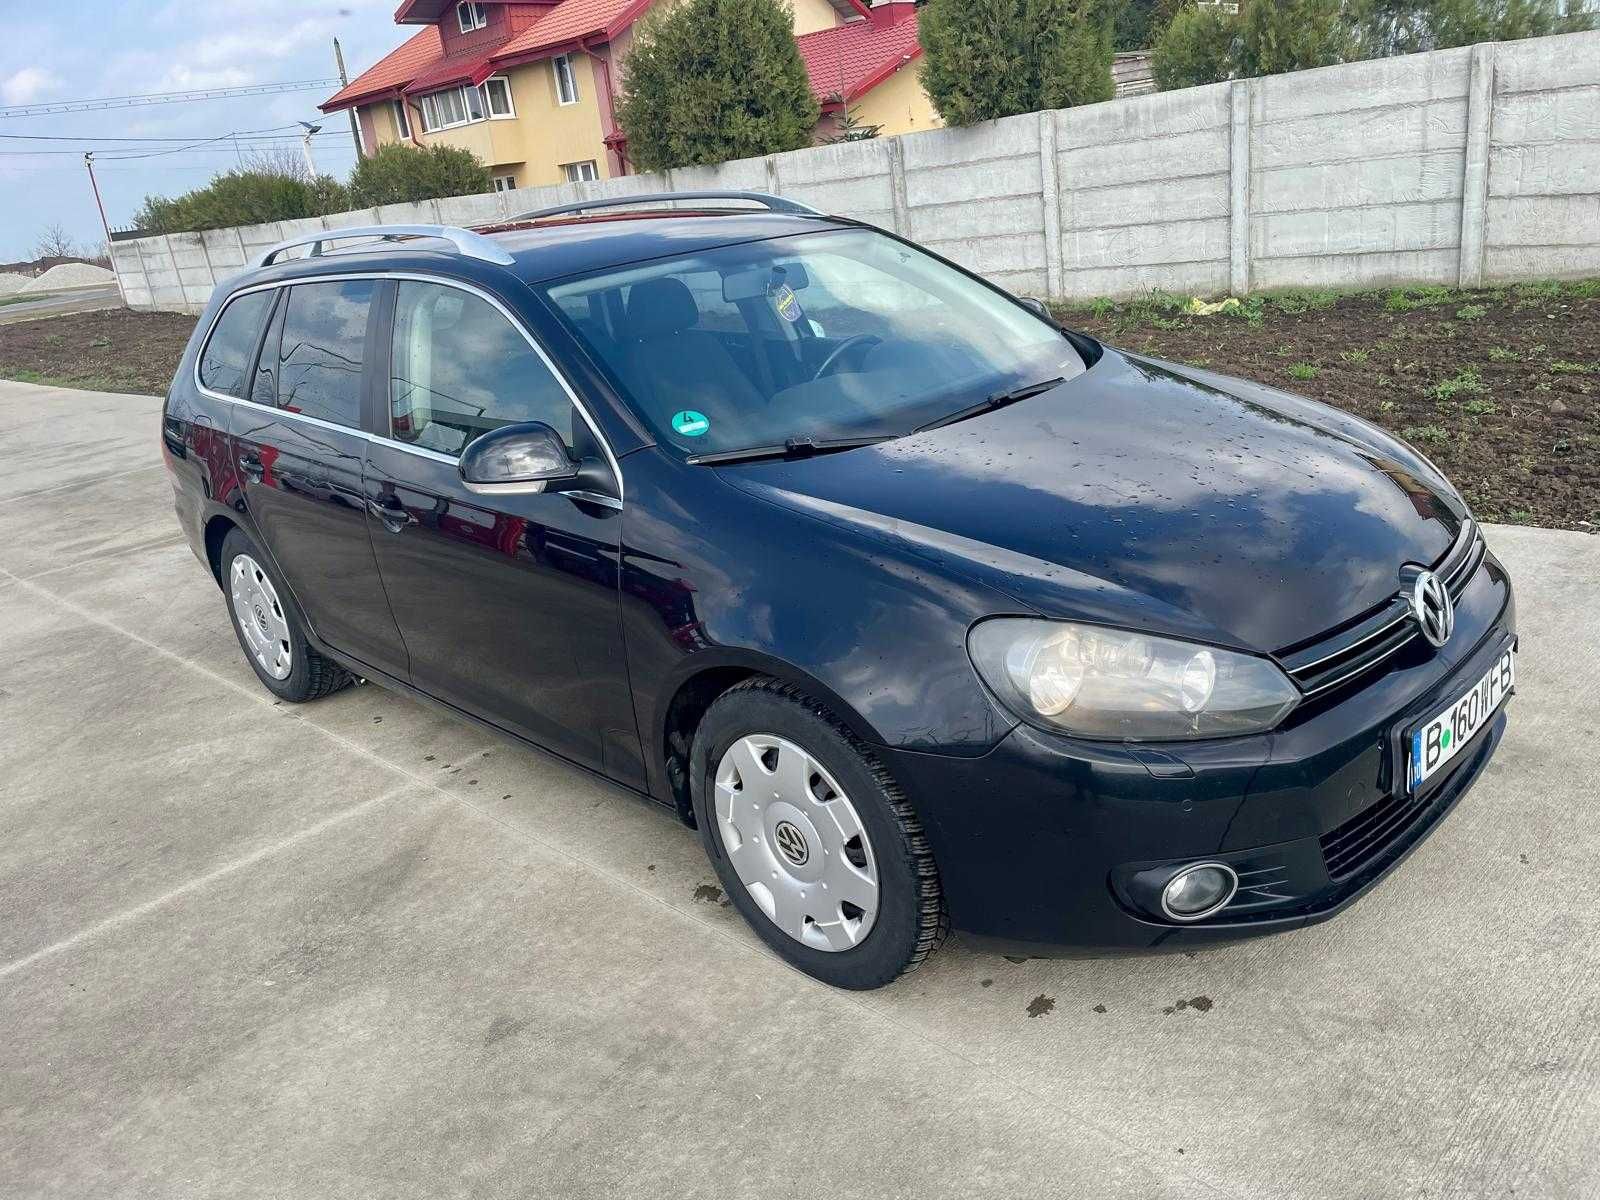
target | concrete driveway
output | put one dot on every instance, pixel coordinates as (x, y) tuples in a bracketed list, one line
[(358, 949)]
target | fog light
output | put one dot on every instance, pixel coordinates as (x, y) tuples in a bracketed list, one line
[(1198, 891)]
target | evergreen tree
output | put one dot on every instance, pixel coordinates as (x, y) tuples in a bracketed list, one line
[(984, 59), (713, 80)]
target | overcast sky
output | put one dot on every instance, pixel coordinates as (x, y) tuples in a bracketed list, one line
[(84, 49)]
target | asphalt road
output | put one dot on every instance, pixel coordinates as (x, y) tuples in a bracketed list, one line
[(358, 949), (81, 300)]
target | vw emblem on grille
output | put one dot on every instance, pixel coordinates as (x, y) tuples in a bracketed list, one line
[(1433, 609), (792, 843)]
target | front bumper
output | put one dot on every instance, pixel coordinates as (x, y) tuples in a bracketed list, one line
[(1037, 840)]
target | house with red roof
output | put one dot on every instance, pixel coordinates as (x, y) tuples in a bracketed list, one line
[(530, 88)]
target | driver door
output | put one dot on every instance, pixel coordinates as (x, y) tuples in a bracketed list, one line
[(508, 601)]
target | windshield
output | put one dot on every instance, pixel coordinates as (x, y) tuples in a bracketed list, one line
[(821, 337)]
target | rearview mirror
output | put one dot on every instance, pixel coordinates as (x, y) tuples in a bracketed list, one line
[(522, 457), (1038, 307)]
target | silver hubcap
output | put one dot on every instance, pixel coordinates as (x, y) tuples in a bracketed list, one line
[(260, 617), (796, 843)]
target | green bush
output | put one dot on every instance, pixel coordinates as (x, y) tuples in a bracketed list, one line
[(1295, 35), (713, 80), (403, 174), (242, 198), (1140, 23), (1197, 48), (985, 59), (1407, 26)]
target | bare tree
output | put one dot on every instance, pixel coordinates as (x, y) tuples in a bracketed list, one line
[(55, 242), (280, 160)]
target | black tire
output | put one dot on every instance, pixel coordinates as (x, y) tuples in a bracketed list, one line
[(311, 675), (911, 921)]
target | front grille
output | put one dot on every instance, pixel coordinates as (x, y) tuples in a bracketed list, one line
[(1368, 834), (1337, 660)]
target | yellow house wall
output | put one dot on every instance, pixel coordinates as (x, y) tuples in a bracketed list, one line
[(898, 104), (812, 15), (543, 134)]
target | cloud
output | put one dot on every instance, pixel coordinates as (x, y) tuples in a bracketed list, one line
[(27, 85)]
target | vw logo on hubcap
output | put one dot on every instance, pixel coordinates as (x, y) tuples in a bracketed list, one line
[(1433, 609), (792, 843)]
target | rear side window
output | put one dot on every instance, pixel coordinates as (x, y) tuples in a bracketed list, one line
[(461, 369), (322, 349), (225, 362)]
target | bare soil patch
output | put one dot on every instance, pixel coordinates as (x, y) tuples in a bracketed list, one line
[(112, 350)]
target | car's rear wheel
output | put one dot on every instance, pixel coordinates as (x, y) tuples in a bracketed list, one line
[(812, 839), (270, 629)]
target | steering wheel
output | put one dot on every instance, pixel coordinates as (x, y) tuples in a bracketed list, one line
[(861, 341)]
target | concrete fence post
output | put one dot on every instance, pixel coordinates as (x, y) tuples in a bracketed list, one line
[(771, 165), (1050, 200), (1243, 101), (1475, 175), (897, 187)]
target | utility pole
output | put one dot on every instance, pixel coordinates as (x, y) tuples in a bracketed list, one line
[(305, 144), (344, 81), (88, 162)]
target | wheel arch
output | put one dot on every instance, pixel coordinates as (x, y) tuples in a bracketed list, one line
[(217, 528), (698, 684)]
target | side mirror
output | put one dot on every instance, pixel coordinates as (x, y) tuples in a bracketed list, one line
[(520, 458), (1038, 307)]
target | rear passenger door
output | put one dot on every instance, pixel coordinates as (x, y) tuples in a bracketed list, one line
[(299, 447), (508, 602)]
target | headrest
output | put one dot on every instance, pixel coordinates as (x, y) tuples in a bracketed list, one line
[(658, 307)]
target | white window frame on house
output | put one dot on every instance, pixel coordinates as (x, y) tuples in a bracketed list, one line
[(586, 171), (566, 80), (505, 183), (469, 102), (402, 120), (470, 17), (488, 99)]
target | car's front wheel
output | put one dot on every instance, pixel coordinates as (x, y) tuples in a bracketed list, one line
[(812, 839), (269, 627)]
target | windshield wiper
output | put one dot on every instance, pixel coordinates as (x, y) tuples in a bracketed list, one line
[(990, 403), (797, 447)]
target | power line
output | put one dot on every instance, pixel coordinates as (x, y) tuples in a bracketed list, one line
[(87, 138), (225, 93)]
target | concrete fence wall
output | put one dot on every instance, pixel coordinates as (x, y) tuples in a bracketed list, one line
[(1469, 166)]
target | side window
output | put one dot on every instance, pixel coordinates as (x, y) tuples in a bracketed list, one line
[(320, 358), (460, 369), (225, 362)]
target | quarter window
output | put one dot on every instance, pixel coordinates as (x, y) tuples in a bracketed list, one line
[(580, 172), (322, 351), (497, 95), (566, 81), (225, 362), (459, 368)]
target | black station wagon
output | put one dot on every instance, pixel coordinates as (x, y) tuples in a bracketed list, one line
[(923, 610)]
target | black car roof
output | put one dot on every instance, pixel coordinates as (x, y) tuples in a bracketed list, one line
[(553, 249)]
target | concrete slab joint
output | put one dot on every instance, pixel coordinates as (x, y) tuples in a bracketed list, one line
[(1475, 168), (1239, 189)]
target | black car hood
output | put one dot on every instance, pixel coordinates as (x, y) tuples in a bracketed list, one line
[(1152, 494)]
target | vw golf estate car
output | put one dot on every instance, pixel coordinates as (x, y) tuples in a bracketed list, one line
[(925, 611)]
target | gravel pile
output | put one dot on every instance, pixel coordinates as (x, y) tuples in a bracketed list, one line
[(69, 275), (10, 285)]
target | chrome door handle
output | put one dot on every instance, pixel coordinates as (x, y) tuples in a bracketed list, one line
[(394, 517)]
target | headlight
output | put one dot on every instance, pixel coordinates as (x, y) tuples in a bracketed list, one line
[(1110, 683)]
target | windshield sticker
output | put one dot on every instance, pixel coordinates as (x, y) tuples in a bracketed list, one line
[(786, 302), (689, 423)]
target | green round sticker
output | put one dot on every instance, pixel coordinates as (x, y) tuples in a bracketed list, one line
[(689, 423)]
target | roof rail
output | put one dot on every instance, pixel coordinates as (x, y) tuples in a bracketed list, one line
[(473, 245), (774, 203)]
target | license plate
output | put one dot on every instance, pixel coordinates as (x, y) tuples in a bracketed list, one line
[(1438, 740)]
